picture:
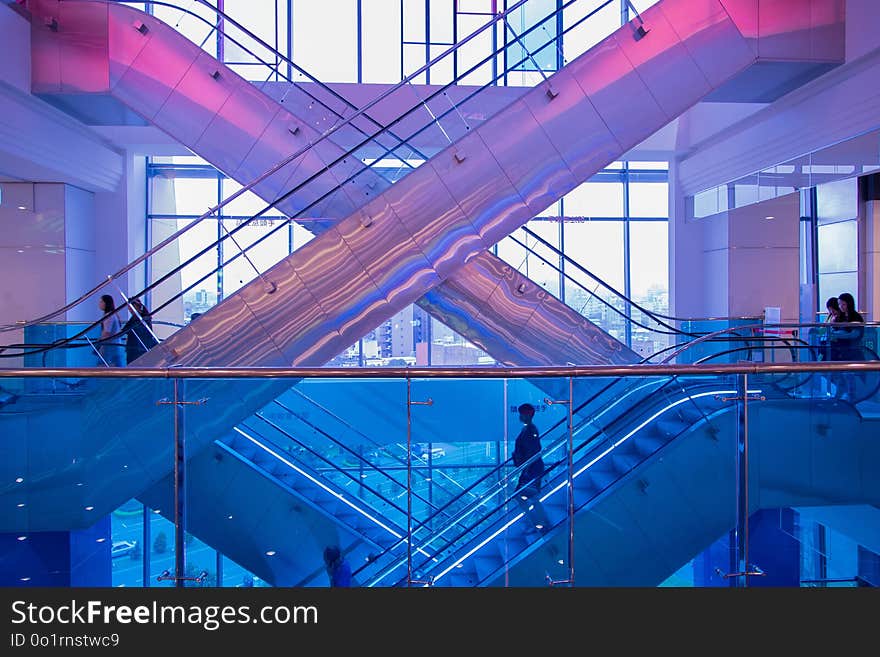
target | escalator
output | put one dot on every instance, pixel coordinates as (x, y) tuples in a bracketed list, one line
[(134, 52), (345, 282), (654, 484)]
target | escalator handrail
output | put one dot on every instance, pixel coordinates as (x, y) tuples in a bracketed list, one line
[(322, 136), (344, 447), (760, 327), (589, 445), (349, 427), (650, 313), (273, 67)]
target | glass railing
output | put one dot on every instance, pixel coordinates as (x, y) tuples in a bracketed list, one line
[(609, 308), (628, 493), (437, 113)]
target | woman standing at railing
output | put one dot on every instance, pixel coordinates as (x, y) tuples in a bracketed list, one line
[(846, 344), (109, 345)]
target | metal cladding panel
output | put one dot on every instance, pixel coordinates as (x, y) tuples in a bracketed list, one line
[(348, 169), (554, 333), (276, 143), (289, 312), (236, 127), (345, 292), (798, 30), (212, 334), (404, 114), (46, 51), (544, 332), (125, 39), (528, 157), (386, 250), (664, 64), (442, 116), (333, 192), (155, 72), (453, 305), (589, 147), (828, 30), (591, 345), (481, 276), (84, 61), (712, 38), (783, 28), (437, 224), (480, 188), (315, 191), (616, 90), (743, 13), (196, 99)]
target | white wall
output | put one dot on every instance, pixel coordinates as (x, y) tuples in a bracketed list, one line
[(35, 277), (734, 264), (686, 266), (764, 257), (79, 225)]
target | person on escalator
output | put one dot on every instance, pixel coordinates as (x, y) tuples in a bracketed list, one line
[(527, 455), (138, 331), (338, 569), (109, 345)]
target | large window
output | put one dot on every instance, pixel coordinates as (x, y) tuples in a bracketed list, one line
[(601, 244), (612, 232), (383, 41)]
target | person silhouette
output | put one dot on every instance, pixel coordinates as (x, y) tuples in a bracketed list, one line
[(338, 569), (527, 455)]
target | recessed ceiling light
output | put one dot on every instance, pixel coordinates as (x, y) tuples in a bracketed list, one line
[(22, 538), (229, 517), (561, 562), (90, 508), (25, 579), (20, 505), (21, 207), (270, 553), (770, 217), (18, 480), (100, 540)]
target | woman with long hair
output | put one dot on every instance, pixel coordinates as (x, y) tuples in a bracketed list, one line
[(110, 342), (846, 341)]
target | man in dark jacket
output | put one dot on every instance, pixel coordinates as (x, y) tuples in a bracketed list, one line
[(526, 452), (528, 444)]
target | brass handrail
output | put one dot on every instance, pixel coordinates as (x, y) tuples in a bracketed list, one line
[(608, 371)]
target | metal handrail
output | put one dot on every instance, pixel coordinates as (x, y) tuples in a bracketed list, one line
[(274, 67), (336, 418), (589, 371), (731, 331), (500, 16), (650, 313)]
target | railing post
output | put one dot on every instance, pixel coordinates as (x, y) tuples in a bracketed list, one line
[(742, 481), (570, 483), (179, 483), (409, 404)]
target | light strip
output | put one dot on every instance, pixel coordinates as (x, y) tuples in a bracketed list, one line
[(603, 454), (318, 483)]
